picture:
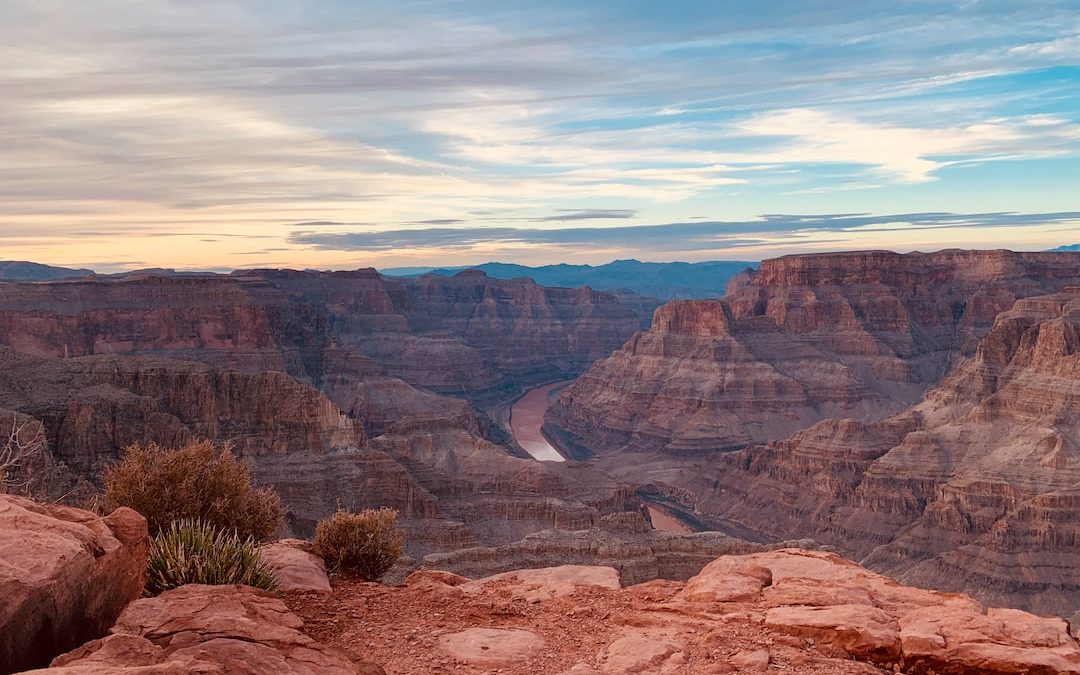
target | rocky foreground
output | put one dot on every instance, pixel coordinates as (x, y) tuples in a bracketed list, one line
[(793, 611), (67, 574)]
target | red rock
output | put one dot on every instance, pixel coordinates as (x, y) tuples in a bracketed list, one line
[(640, 652), (491, 647), (809, 337), (296, 568), (672, 628), (548, 582), (859, 631), (236, 630), (65, 576), (753, 661), (947, 640)]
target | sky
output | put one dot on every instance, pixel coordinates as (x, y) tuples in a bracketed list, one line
[(224, 134)]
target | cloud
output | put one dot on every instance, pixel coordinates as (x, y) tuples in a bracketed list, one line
[(680, 236), (591, 214)]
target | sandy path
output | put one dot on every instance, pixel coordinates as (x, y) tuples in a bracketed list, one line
[(526, 418)]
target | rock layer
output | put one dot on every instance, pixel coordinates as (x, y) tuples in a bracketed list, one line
[(65, 576), (972, 489), (302, 373), (804, 338), (467, 334), (622, 541)]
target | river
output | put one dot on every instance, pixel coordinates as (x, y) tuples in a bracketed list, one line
[(526, 420), (527, 416)]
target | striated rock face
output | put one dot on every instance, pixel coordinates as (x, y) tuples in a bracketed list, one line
[(452, 488), (973, 489), (623, 542), (65, 575), (788, 610), (94, 406), (301, 370), (234, 630), (466, 334), (804, 338)]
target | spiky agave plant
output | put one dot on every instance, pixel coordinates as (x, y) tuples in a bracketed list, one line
[(190, 551)]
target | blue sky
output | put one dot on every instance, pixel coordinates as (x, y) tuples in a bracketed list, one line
[(344, 134)]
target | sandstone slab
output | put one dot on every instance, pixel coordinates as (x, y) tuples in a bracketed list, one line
[(642, 653), (534, 585), (65, 576), (233, 630), (297, 569), (492, 647)]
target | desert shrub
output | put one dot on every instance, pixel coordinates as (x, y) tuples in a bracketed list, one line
[(366, 543), (197, 480), (194, 552)]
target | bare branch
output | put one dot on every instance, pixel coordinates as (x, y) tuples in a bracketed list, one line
[(24, 443)]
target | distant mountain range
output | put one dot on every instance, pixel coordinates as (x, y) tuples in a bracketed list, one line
[(21, 270), (665, 281), (1067, 247)]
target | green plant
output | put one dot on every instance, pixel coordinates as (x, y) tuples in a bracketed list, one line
[(197, 480), (366, 543), (194, 552)]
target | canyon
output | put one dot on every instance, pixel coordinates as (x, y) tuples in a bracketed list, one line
[(345, 388), (916, 411)]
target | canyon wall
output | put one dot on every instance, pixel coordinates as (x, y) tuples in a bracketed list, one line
[(973, 489), (804, 338), (918, 412), (303, 373), (467, 334)]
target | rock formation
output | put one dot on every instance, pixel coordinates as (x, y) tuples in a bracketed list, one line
[(295, 566), (972, 489), (302, 372), (842, 335), (792, 610), (466, 334), (452, 488), (65, 576), (226, 630), (621, 541), (931, 402)]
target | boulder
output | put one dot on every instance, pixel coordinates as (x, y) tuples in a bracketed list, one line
[(232, 630), (491, 647), (65, 576), (640, 652), (949, 640), (533, 585), (297, 569)]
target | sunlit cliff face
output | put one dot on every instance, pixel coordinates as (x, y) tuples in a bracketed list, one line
[(350, 134)]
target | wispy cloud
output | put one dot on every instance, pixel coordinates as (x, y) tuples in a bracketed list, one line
[(671, 237)]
